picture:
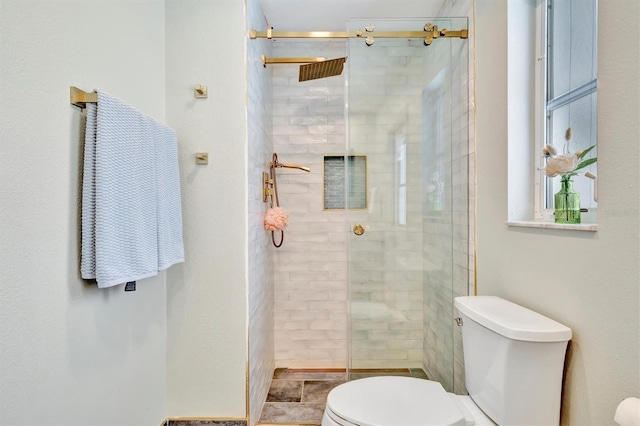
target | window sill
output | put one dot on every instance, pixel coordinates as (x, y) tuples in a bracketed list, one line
[(589, 227)]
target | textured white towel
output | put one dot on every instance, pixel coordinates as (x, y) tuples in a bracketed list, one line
[(88, 227), (170, 247), (131, 213)]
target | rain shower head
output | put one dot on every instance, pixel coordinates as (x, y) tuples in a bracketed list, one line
[(322, 69), (313, 69)]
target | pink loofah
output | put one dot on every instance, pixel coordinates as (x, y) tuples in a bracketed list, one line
[(276, 219)]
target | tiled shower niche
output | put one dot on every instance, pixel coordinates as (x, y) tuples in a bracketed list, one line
[(339, 176)]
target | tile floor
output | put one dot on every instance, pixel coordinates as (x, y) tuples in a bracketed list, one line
[(298, 397)]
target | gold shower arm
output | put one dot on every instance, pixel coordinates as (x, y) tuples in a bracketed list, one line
[(292, 166), (266, 60), (269, 185)]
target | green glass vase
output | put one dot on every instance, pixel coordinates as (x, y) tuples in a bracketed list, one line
[(567, 203)]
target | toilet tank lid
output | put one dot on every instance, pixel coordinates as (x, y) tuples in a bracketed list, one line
[(511, 320)]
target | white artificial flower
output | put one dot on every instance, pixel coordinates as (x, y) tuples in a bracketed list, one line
[(549, 150), (561, 165)]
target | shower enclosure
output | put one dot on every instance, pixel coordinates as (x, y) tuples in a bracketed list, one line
[(378, 242), (407, 109)]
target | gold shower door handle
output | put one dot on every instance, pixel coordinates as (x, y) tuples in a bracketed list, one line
[(358, 230)]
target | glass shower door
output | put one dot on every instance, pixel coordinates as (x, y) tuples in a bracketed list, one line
[(408, 134)]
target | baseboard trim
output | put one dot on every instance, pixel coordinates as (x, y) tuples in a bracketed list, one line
[(205, 421)]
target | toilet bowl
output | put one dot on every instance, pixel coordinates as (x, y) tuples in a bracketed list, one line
[(514, 361), (399, 401)]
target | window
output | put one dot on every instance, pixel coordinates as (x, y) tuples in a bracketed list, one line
[(566, 93)]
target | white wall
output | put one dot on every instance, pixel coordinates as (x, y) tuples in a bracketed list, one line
[(207, 295), (588, 281), (71, 354), (76, 355), (260, 259), (521, 129)]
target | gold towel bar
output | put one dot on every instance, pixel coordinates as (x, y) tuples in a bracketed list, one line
[(80, 98)]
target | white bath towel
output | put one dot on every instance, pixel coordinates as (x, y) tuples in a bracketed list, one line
[(170, 247), (131, 213)]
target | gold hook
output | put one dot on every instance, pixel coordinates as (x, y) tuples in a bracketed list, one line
[(200, 91)]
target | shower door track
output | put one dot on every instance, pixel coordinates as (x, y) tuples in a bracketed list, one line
[(429, 33)]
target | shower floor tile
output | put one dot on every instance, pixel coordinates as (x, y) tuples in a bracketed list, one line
[(285, 391), (292, 413), (317, 390), (298, 397)]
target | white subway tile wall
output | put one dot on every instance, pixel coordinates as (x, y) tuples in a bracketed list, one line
[(260, 252), (446, 221), (464, 125), (311, 266), (385, 111)]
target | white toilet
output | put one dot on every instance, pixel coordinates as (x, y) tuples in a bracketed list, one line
[(514, 359)]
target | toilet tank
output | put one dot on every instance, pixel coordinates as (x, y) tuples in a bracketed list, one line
[(514, 359)]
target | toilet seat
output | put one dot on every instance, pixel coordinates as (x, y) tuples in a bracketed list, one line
[(392, 401)]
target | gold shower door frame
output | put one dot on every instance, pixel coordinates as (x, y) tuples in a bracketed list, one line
[(391, 266)]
